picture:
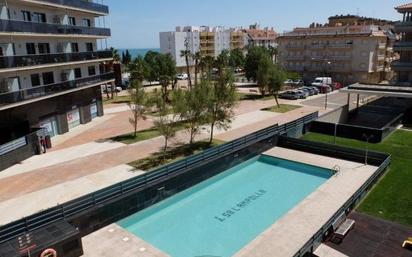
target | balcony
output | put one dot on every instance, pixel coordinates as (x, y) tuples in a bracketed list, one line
[(340, 46), (10, 62), (382, 46), (402, 66), (403, 46), (15, 27), (48, 90), (290, 57), (78, 4), (295, 46), (403, 26)]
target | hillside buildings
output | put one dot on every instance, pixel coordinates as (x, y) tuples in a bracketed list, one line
[(348, 53), (211, 41), (53, 61)]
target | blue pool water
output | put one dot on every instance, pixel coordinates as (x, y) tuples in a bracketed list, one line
[(219, 216)]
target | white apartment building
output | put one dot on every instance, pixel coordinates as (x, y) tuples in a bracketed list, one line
[(209, 41)]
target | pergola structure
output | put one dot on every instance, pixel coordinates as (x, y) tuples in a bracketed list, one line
[(377, 90)]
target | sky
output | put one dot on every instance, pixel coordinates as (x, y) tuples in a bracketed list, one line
[(137, 23)]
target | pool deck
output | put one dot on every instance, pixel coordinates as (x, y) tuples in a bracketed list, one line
[(290, 233), (285, 237)]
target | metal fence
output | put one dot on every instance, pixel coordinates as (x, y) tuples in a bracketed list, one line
[(319, 235), (100, 198)]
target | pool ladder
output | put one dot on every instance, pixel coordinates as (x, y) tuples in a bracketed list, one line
[(336, 170)]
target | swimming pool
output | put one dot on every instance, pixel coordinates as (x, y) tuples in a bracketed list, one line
[(221, 215)]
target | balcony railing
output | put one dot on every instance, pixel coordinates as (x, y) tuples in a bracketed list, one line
[(81, 4), (403, 26), (291, 57), (403, 46), (49, 28), (8, 62), (402, 66), (41, 91)]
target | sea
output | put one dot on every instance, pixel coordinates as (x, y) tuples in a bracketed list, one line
[(135, 52)]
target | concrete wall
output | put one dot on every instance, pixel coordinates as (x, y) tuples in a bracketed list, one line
[(338, 116)]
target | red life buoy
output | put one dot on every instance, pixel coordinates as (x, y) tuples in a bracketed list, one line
[(49, 253)]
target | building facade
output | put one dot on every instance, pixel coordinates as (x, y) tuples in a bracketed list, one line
[(403, 67), (351, 53), (53, 62), (211, 41)]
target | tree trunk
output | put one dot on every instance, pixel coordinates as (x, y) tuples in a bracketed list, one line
[(196, 71), (212, 128), (107, 92), (277, 100), (188, 72), (165, 150)]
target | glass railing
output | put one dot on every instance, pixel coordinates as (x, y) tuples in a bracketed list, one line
[(40, 91), (403, 44), (48, 28), (402, 65), (7, 62), (81, 4)]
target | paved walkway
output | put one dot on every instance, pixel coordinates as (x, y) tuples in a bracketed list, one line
[(326, 251)]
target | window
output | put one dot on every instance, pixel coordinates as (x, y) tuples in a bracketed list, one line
[(35, 80), (1, 51), (87, 23), (26, 15), (48, 78), (31, 48), (72, 21), (75, 47), (44, 48), (77, 73), (92, 70), (89, 47), (39, 17)]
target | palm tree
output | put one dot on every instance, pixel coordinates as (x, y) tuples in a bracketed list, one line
[(197, 57), (187, 54), (274, 53), (115, 55)]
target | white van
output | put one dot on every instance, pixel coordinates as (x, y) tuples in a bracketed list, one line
[(322, 81)]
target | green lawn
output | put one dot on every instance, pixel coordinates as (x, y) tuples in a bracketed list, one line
[(116, 100), (143, 135), (284, 108), (247, 96), (156, 160), (391, 198)]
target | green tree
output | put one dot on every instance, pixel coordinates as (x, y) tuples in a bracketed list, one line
[(191, 106), (166, 72), (263, 74), (151, 61), (138, 99), (187, 54), (221, 101), (222, 62), (237, 59), (277, 78), (253, 59), (115, 55), (164, 123), (206, 66), (273, 51), (126, 57)]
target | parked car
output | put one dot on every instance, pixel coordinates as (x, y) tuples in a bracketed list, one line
[(336, 86), (302, 94), (298, 83), (108, 89), (315, 90), (321, 81), (325, 89), (305, 91), (309, 90), (182, 76), (292, 95)]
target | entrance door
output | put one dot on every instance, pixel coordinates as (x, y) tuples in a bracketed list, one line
[(93, 110), (73, 118), (51, 125)]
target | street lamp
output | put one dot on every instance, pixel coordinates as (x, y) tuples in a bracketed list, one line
[(325, 72), (367, 139)]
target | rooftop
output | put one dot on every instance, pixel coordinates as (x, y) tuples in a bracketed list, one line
[(405, 7), (336, 31)]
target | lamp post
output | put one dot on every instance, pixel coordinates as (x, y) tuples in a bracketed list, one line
[(327, 63), (367, 139)]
